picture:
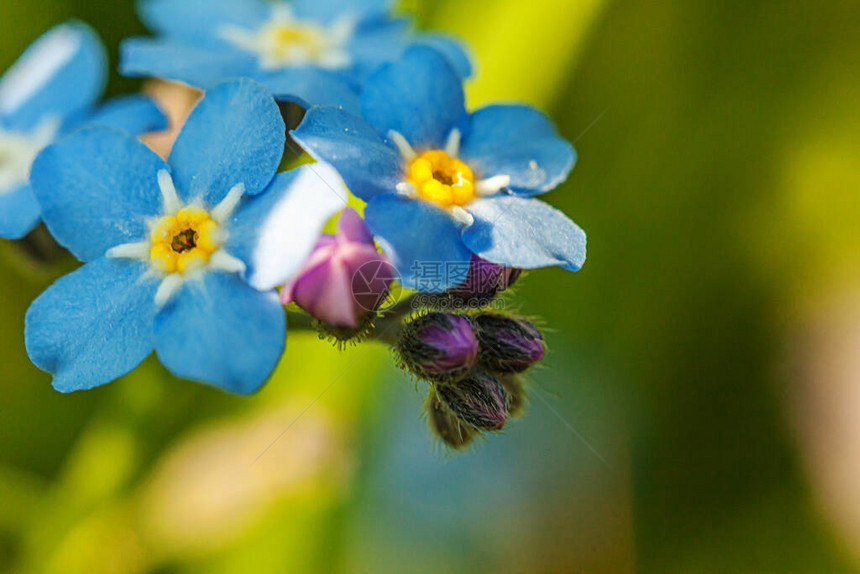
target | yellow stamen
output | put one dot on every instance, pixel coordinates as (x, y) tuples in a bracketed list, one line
[(163, 257), (442, 179), (185, 241), (191, 260), (192, 215), (286, 41), (207, 238)]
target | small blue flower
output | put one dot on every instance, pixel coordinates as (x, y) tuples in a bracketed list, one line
[(181, 256), (442, 184), (313, 52), (49, 92)]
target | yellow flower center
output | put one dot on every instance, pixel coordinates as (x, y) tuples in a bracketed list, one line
[(442, 179), (287, 40), (183, 242)]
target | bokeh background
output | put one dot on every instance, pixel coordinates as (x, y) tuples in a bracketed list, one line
[(698, 411)]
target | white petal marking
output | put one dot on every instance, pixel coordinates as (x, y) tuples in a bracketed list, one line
[(170, 199), (240, 37), (223, 261), (406, 151), (225, 209), (492, 185), (290, 230), (407, 190), (130, 251), (462, 215), (452, 146), (315, 44), (18, 150), (169, 287), (37, 66), (343, 28)]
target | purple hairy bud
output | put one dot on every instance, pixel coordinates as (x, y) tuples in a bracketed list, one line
[(516, 393), (439, 347), (508, 344), (484, 281), (446, 425), (478, 399)]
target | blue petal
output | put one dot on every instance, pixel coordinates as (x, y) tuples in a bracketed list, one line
[(97, 188), (384, 40), (422, 241), (452, 48), (420, 95), (520, 142), (312, 87), (524, 233), (59, 75), (198, 66), (93, 325), (200, 21), (221, 331), (275, 232), (133, 114), (327, 10), (378, 41), (19, 212), (367, 164), (234, 135)]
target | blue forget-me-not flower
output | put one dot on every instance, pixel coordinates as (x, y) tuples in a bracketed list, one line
[(442, 184), (50, 91), (181, 256), (312, 52)]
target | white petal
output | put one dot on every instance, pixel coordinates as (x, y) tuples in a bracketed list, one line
[(38, 65), (452, 146), (225, 209), (288, 234), (492, 185), (462, 215), (406, 151), (168, 288), (130, 251), (407, 190), (223, 261), (170, 199)]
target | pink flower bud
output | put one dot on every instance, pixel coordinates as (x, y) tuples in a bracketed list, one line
[(345, 278)]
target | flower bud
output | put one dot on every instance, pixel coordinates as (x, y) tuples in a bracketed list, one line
[(508, 344), (478, 399), (484, 281), (439, 346), (516, 393), (345, 278), (446, 425)]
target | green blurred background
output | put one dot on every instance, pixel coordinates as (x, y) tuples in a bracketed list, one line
[(695, 414)]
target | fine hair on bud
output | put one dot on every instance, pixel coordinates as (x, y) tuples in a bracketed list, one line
[(508, 344), (516, 393), (341, 337), (446, 425), (439, 347), (478, 399)]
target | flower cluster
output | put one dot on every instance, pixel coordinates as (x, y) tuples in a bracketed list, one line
[(205, 255), (473, 365)]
